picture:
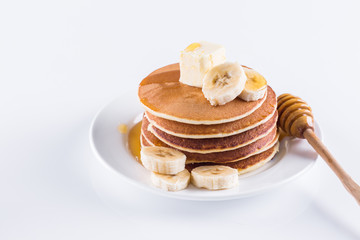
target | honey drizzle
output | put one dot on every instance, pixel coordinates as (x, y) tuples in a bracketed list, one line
[(282, 134), (134, 141)]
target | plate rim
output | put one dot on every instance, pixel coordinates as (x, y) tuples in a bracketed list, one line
[(174, 195)]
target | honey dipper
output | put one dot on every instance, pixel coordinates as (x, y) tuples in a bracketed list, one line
[(296, 120)]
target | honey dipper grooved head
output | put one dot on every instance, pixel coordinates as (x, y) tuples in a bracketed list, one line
[(295, 115)]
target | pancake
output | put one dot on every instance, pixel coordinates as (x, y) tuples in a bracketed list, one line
[(190, 158), (258, 117), (164, 96), (245, 165), (209, 145), (239, 134), (258, 146)]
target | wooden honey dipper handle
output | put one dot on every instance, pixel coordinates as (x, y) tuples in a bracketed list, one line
[(296, 119), (320, 148)]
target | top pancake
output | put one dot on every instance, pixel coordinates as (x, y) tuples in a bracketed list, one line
[(184, 130), (164, 96)]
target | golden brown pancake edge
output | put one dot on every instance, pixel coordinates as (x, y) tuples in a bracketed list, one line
[(208, 145), (248, 164), (225, 156)]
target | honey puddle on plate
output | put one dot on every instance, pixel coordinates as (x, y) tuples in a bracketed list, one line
[(134, 141)]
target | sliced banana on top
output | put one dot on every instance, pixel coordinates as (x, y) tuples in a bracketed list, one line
[(223, 83), (255, 87), (175, 182), (163, 160), (214, 177)]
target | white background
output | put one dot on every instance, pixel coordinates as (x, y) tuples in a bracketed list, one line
[(60, 61)]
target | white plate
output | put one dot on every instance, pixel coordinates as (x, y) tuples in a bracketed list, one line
[(294, 158)]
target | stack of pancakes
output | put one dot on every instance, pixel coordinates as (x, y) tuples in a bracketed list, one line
[(239, 134)]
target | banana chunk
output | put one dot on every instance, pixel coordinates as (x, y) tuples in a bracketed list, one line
[(223, 83), (163, 160), (255, 86), (214, 177), (175, 182)]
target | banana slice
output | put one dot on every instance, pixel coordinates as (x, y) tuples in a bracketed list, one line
[(255, 86), (175, 182), (163, 160), (214, 177), (223, 83)]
